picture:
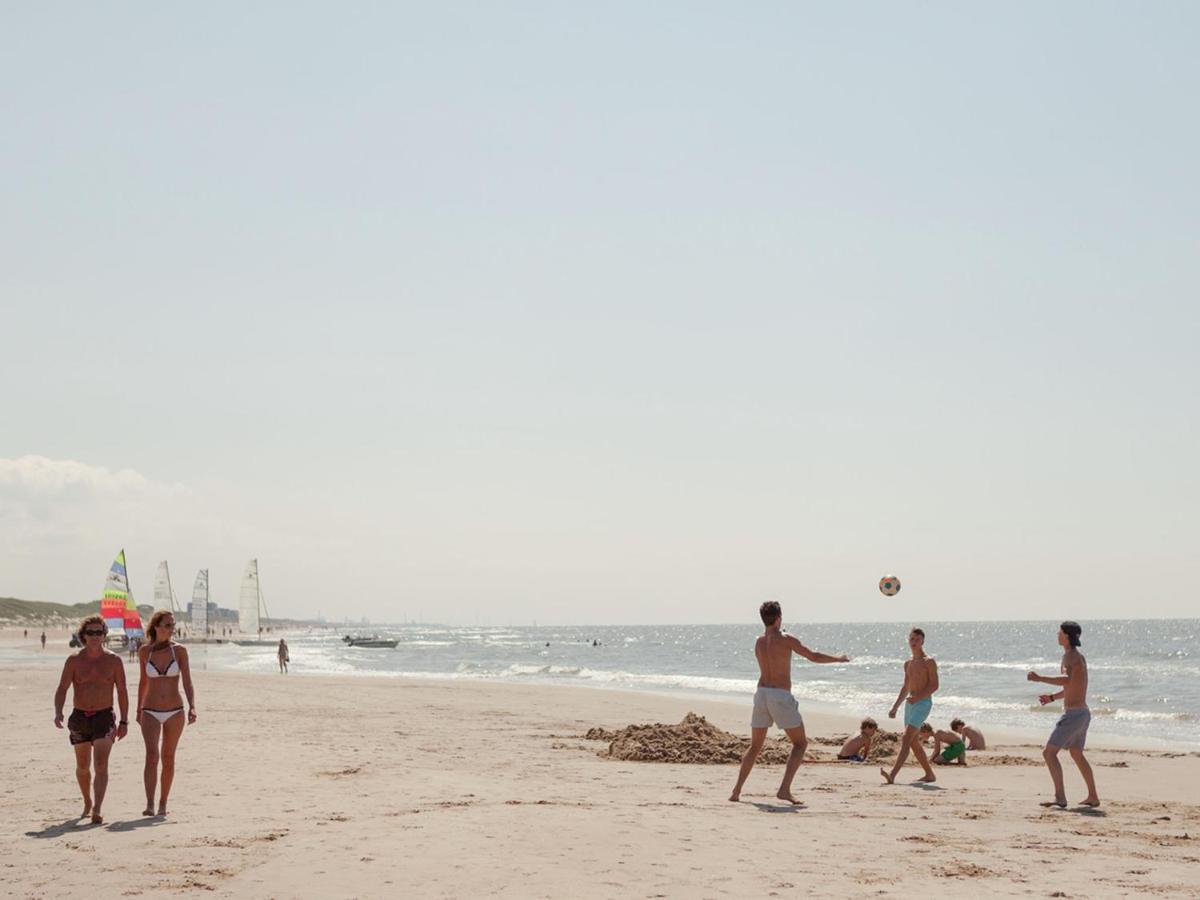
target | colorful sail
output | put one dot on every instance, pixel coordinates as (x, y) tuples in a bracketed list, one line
[(133, 620), (248, 600), (116, 595), (199, 609)]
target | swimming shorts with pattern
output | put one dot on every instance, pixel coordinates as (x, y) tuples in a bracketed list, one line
[(85, 727)]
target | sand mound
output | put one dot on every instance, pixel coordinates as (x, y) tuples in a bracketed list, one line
[(694, 740)]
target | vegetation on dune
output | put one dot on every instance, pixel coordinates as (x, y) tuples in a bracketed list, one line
[(34, 610)]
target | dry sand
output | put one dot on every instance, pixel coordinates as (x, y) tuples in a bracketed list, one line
[(368, 787)]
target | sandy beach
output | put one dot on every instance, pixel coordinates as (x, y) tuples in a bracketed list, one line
[(359, 787)]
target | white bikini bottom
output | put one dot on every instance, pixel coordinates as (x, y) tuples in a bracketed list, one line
[(162, 714)]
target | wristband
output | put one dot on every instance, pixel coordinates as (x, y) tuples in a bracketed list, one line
[(123, 722)]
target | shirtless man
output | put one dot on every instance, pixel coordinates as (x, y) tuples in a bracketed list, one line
[(1070, 733), (773, 701), (94, 673), (920, 683)]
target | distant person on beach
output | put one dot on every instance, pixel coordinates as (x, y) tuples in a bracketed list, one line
[(774, 701), (93, 673), (44, 640), (973, 736), (164, 664), (948, 746), (920, 684), (284, 659), (857, 747), (1070, 733)]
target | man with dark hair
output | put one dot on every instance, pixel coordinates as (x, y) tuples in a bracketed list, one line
[(920, 684), (94, 673), (1070, 733), (773, 701)]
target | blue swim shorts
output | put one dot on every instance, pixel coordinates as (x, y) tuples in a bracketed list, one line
[(915, 714)]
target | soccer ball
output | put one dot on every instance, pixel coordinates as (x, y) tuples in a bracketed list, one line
[(889, 585)]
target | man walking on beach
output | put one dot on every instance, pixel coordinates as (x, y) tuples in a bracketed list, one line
[(920, 683), (773, 701), (1070, 733), (94, 673)]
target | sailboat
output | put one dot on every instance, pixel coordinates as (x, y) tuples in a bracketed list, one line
[(200, 606), (117, 608), (252, 609)]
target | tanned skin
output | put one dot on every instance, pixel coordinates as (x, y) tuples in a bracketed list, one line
[(773, 650), (1074, 683), (920, 681), (94, 673)]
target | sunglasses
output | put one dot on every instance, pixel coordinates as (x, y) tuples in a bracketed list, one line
[(93, 632), (167, 624)]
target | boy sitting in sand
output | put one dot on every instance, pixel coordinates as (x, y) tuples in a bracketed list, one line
[(973, 736), (947, 745), (857, 747)]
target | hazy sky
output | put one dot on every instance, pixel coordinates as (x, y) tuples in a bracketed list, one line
[(605, 312)]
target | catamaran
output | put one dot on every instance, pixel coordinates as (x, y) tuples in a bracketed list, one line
[(252, 609), (199, 629), (164, 594), (117, 608)]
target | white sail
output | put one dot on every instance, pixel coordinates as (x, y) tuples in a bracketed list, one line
[(164, 596), (200, 605), (249, 600)]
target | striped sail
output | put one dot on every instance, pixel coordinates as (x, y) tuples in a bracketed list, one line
[(116, 595), (248, 602), (133, 620), (200, 604)]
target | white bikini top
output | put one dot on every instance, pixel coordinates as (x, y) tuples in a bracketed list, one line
[(152, 670)]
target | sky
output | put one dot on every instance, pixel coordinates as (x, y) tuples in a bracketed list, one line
[(617, 313)]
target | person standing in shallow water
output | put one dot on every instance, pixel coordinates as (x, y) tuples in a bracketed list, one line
[(1070, 732), (163, 664), (284, 657), (774, 701), (920, 683), (93, 673)]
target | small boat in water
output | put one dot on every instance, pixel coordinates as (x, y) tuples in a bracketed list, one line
[(370, 642)]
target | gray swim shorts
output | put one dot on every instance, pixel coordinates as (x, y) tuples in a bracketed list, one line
[(775, 705), (1071, 730)]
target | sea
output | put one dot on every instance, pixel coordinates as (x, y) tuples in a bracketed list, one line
[(1144, 674)]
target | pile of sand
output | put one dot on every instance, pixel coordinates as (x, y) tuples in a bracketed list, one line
[(696, 741)]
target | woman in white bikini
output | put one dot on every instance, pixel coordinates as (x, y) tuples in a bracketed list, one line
[(163, 664)]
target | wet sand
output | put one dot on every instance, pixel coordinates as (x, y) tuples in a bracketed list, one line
[(296, 786)]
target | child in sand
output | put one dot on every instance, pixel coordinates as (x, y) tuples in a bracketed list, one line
[(955, 747), (973, 736), (857, 747)]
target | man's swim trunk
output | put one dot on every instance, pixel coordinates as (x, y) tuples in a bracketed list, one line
[(1071, 730), (953, 751), (775, 705), (853, 757), (915, 714), (85, 727)]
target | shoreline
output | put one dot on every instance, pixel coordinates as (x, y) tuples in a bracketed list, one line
[(731, 703), (342, 786)]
